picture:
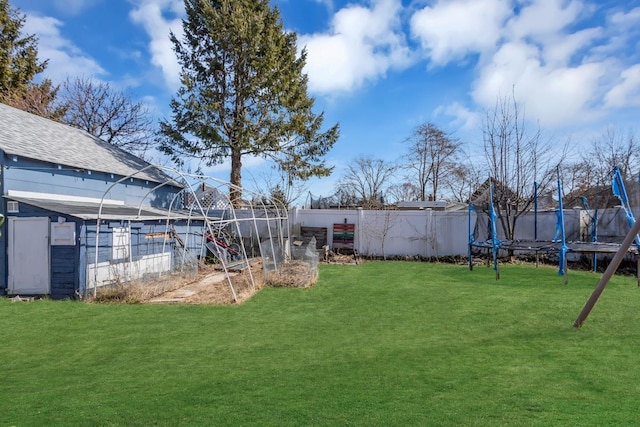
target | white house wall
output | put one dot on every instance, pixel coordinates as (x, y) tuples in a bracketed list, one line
[(106, 273)]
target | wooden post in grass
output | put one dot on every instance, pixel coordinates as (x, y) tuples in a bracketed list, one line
[(611, 269)]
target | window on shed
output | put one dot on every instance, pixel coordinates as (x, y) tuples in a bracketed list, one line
[(121, 241), (13, 207)]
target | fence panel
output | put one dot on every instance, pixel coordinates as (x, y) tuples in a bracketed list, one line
[(431, 233)]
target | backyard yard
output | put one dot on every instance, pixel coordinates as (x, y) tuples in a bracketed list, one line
[(375, 344)]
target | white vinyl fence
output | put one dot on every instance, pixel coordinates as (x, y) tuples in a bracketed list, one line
[(429, 233), (393, 233)]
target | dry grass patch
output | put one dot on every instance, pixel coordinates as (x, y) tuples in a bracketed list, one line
[(139, 292), (210, 286), (292, 274)]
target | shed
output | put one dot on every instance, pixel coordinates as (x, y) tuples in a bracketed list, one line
[(62, 187)]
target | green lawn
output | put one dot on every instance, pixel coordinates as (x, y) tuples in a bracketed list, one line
[(378, 344)]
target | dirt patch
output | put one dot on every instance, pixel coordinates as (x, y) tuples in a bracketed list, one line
[(213, 287), (334, 258)]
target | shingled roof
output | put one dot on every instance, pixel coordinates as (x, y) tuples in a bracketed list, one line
[(26, 135)]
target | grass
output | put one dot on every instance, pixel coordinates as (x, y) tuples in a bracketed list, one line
[(383, 343)]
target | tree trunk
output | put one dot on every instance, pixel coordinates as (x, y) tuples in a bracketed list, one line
[(235, 192)]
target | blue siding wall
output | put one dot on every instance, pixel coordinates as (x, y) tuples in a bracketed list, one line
[(42, 177), (3, 237), (83, 260), (64, 271), (192, 235), (146, 239)]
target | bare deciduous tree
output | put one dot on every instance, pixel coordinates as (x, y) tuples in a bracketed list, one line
[(432, 153), (377, 228), (591, 177), (367, 180), (462, 180), (404, 192), (109, 114), (516, 157), (344, 198), (389, 220), (609, 150), (282, 187)]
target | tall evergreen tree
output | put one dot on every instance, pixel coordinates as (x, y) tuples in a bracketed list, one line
[(19, 65), (18, 54), (243, 92)]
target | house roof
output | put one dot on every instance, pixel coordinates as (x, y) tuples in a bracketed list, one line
[(27, 135), (481, 194), (416, 205)]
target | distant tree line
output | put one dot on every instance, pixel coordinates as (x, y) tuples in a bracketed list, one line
[(518, 164)]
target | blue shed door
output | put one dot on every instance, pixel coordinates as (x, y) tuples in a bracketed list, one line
[(29, 256)]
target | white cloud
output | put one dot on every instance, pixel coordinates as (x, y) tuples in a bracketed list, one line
[(626, 93), (151, 15), (450, 30), (560, 50), (626, 19), (362, 45), (327, 3), (65, 58), (562, 69), (73, 7), (545, 23), (464, 118), (544, 18), (558, 68), (553, 95), (623, 33)]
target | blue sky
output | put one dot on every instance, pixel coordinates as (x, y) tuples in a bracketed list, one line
[(382, 67)]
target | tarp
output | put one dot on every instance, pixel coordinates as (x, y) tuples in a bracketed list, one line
[(619, 190)]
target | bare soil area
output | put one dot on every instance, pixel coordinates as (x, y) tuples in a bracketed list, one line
[(213, 287)]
